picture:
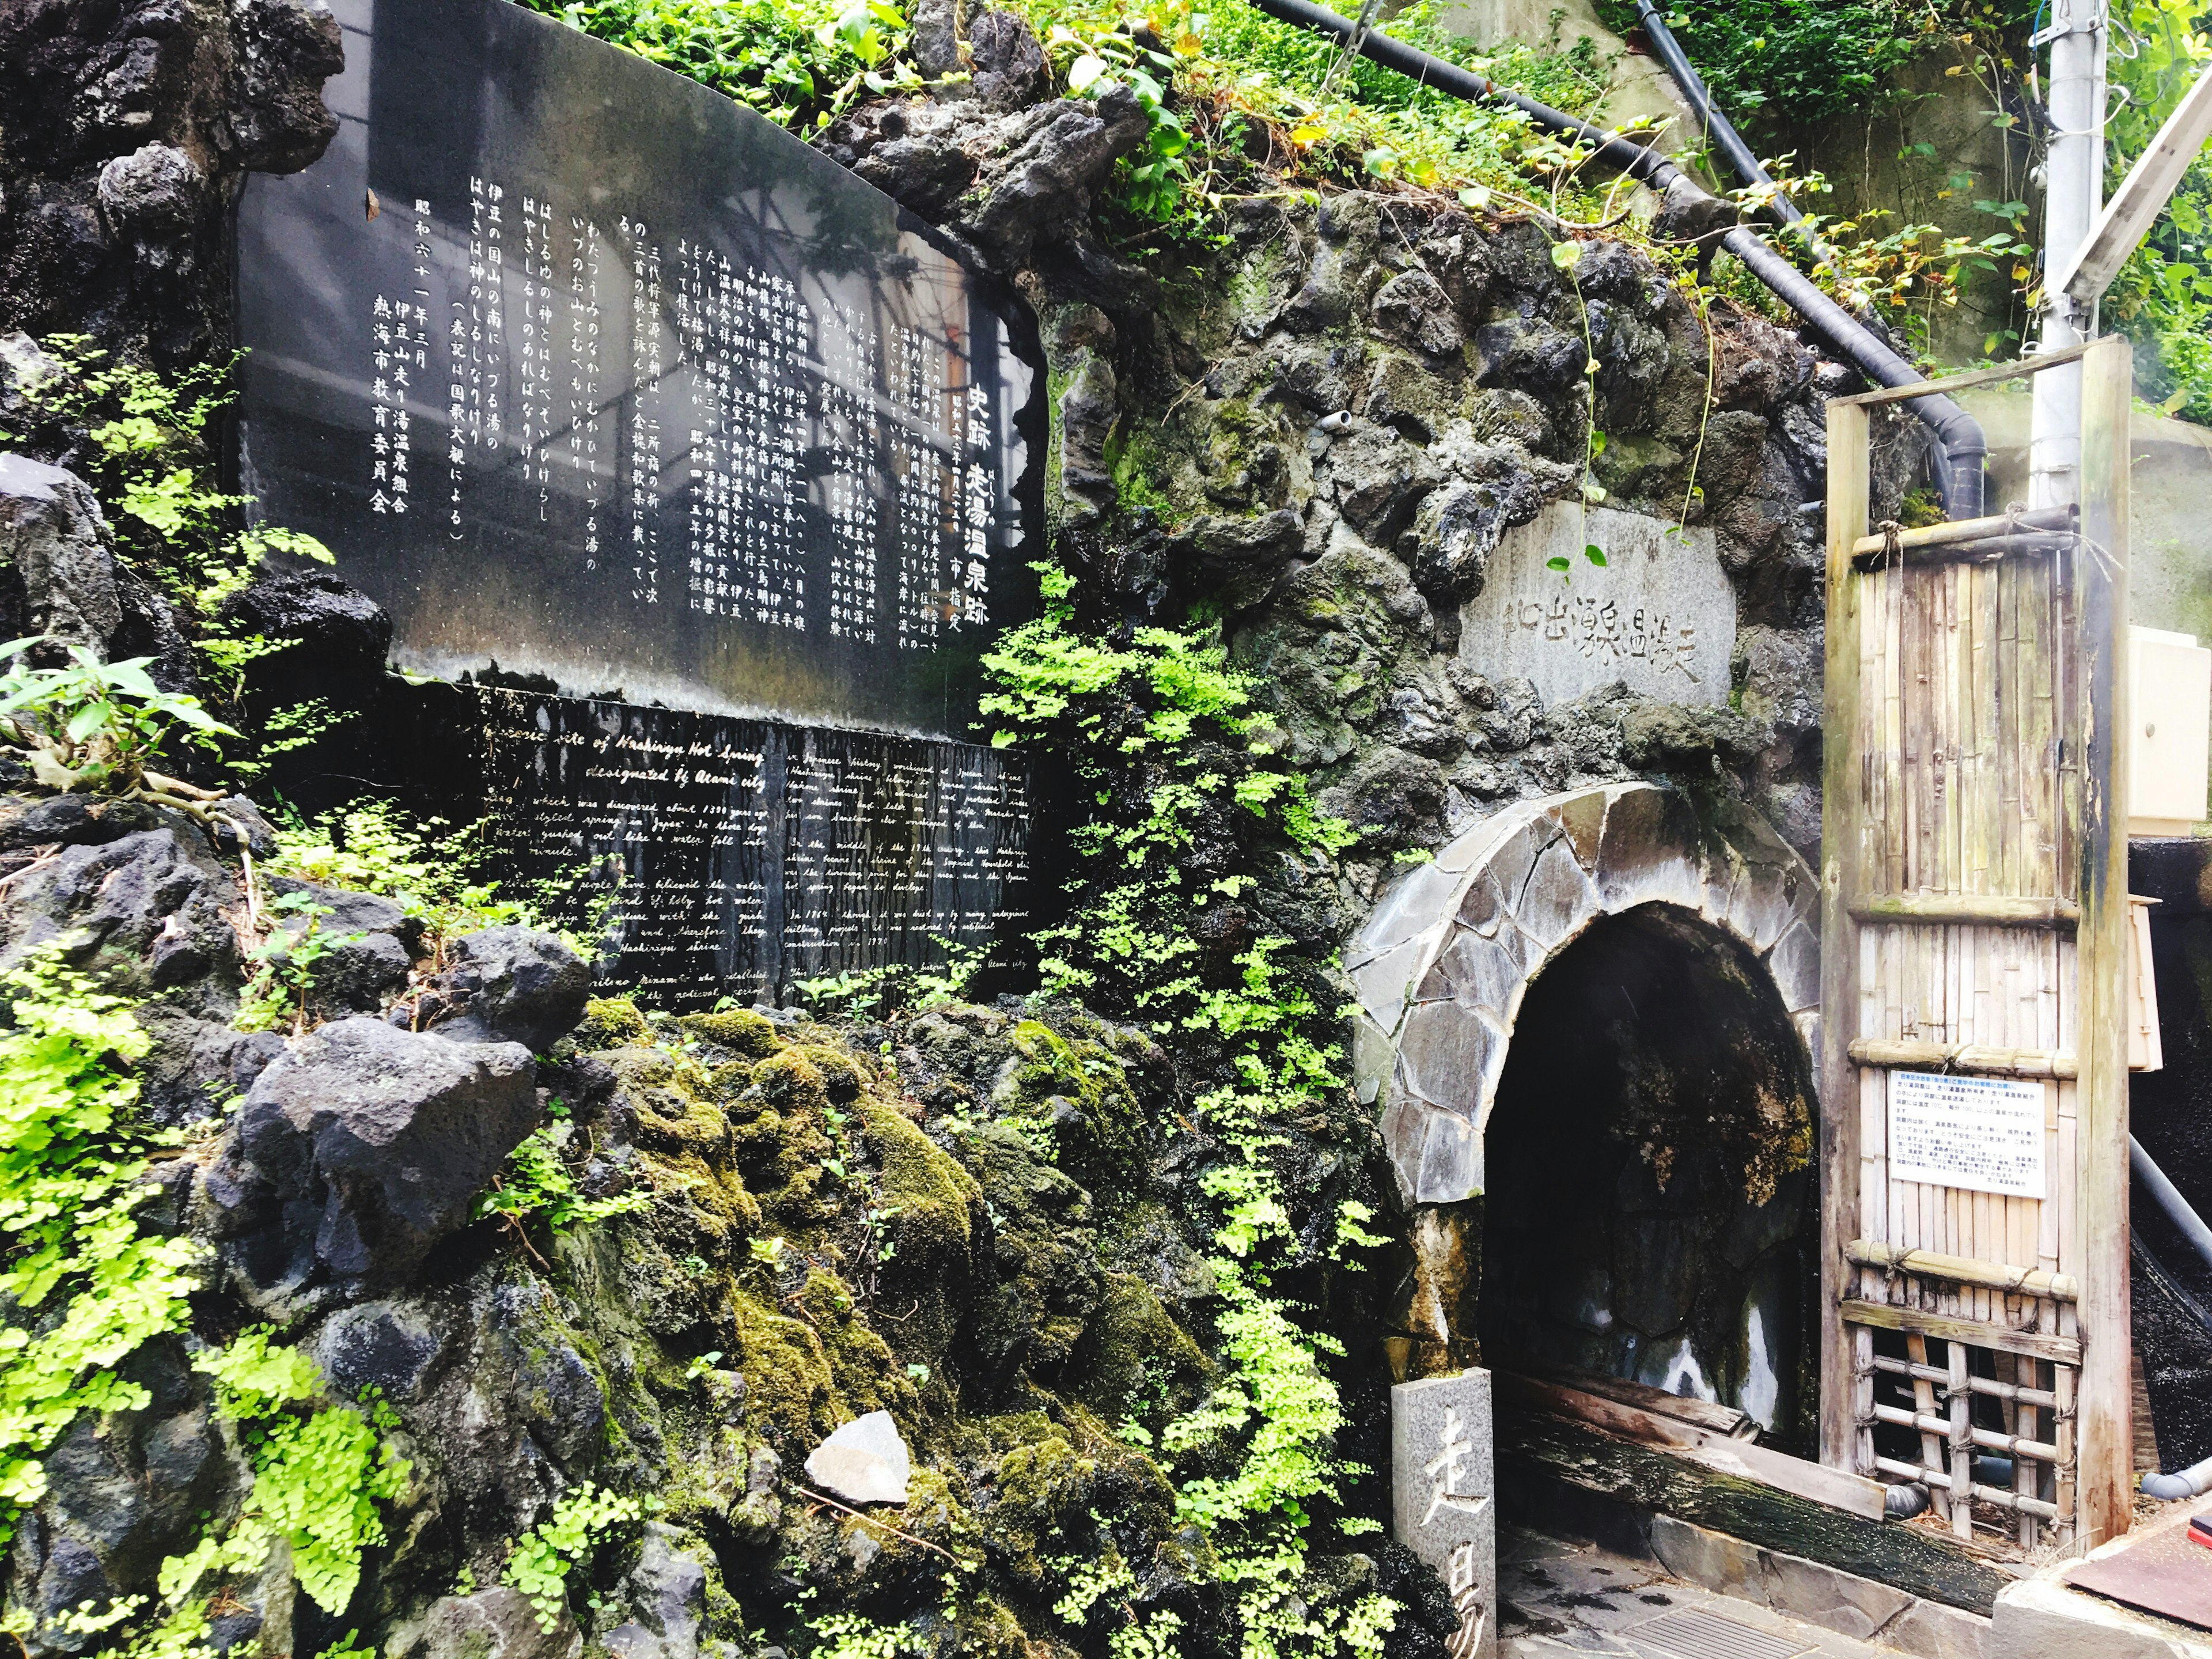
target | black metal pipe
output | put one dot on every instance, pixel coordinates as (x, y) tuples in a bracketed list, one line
[(1718, 126), (1962, 451)]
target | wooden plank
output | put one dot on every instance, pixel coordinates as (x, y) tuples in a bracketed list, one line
[(1855, 1494), (1964, 1057), (1981, 910), (1951, 383), (1842, 856), (2102, 1497), (1986, 550), (1990, 1275), (2061, 1350), (1709, 1416), (1539, 1454)]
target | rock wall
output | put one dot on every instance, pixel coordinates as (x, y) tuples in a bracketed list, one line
[(126, 129), (1322, 429)]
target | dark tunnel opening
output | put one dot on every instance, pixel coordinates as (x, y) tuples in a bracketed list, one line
[(1651, 1210)]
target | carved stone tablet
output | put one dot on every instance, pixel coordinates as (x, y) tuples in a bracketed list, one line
[(1444, 1503), (1659, 615), (581, 367), (608, 388)]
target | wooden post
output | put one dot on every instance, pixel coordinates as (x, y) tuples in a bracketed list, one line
[(2101, 1208), (1841, 861), (1962, 1442)]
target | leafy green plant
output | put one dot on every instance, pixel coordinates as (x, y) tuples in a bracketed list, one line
[(2162, 298), (98, 726), (147, 449), (800, 62), (82, 1286), (434, 872), (539, 1184), (1256, 1458), (285, 965), (877, 992), (320, 1471), (542, 1558)]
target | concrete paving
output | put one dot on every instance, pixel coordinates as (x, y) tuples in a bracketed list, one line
[(1563, 1599)]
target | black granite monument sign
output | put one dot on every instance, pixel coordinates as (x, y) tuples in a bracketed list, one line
[(606, 387)]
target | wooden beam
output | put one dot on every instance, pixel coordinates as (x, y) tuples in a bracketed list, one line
[(1971, 1058), (1988, 549), (1967, 530), (1959, 1270), (1726, 1453), (1843, 811), (1969, 910), (2142, 195), (1951, 383), (1542, 1459), (2103, 1444), (2060, 1350)]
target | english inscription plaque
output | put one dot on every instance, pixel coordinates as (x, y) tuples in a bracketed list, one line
[(599, 382)]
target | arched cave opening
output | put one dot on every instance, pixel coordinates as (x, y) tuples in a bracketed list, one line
[(1651, 1209)]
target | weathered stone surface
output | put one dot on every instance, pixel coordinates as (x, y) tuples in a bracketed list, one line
[(2040, 1619), (1659, 616), (1414, 307), (508, 985), (54, 552), (865, 1461), (492, 1623), (1010, 66), (360, 1151), (1458, 526), (667, 1591), (1443, 1494), (1038, 184), (156, 188)]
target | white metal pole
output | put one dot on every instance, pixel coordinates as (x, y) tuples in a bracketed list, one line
[(2073, 190)]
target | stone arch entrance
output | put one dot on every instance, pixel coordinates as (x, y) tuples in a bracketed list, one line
[(1449, 957)]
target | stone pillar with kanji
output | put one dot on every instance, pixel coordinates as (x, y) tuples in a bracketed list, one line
[(1442, 1496)]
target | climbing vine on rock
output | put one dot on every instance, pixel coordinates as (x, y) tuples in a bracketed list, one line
[(85, 1285), (1185, 793)]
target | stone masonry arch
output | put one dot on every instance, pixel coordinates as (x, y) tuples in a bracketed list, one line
[(1449, 950)]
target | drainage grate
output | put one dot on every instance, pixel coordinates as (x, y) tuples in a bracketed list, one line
[(1690, 1633)]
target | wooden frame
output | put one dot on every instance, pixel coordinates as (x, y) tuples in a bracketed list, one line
[(1975, 920)]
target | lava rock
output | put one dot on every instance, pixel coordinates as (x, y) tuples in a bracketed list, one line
[(667, 1595), (1414, 307), (73, 821), (1458, 526), (1238, 559), (1379, 479), (285, 51), (1038, 187), (114, 900), (866, 1461), (339, 628), (924, 171), (508, 985), (155, 191), (492, 1623), (54, 554), (1010, 66), (370, 1145), (381, 942)]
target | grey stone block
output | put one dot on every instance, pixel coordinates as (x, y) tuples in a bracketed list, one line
[(1444, 1496)]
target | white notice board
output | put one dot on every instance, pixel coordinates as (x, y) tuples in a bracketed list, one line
[(1984, 1134)]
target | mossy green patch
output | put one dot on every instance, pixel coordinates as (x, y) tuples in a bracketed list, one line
[(740, 1030), (608, 1022)]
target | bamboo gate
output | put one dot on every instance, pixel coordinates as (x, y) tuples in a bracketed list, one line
[(1975, 926)]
